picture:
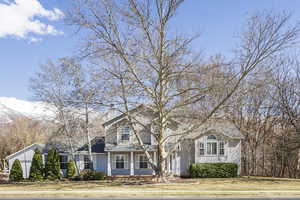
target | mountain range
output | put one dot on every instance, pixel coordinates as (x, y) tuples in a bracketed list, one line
[(11, 108)]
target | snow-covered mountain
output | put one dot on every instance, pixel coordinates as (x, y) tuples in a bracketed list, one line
[(11, 108)]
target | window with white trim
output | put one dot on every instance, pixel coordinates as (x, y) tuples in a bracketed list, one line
[(63, 161), (125, 133), (87, 162), (212, 147), (141, 161), (211, 137), (121, 161), (201, 148), (221, 148)]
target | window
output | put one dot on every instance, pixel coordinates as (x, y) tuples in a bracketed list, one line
[(87, 162), (221, 148), (45, 158), (121, 161), (142, 161), (211, 137), (211, 148), (125, 134), (201, 148), (63, 161)]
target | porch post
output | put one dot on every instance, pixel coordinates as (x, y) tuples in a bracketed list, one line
[(175, 163), (131, 164), (154, 160), (108, 164), (169, 163)]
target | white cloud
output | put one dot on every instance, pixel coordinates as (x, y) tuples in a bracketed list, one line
[(22, 19)]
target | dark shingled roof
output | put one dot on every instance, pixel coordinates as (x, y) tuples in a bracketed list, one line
[(98, 145)]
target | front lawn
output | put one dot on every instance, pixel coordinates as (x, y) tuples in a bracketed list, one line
[(186, 187)]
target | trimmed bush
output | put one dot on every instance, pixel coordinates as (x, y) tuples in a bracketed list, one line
[(16, 172), (52, 167), (213, 170), (37, 167), (88, 175), (71, 170)]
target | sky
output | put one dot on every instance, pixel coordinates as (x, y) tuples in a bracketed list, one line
[(33, 31)]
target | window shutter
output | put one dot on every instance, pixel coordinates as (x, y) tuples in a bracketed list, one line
[(137, 166), (130, 135), (126, 161), (118, 134), (113, 164)]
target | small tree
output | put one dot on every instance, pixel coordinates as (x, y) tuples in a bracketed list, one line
[(37, 167), (52, 167), (71, 170), (16, 172)]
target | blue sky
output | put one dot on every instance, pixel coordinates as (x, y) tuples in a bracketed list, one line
[(218, 22)]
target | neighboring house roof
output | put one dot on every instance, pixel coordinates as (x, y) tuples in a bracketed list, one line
[(224, 127), (98, 145), (40, 146)]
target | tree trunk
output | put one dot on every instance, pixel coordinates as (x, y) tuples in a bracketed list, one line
[(263, 161), (161, 175), (88, 136), (298, 164)]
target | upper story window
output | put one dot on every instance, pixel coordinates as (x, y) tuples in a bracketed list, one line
[(212, 147), (125, 134), (211, 137)]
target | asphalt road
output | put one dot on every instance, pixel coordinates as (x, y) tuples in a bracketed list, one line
[(152, 199)]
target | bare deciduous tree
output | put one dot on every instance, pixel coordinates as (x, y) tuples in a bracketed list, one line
[(66, 86), (18, 134), (145, 62)]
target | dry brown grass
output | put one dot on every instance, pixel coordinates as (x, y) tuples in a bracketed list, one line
[(178, 187), (243, 183)]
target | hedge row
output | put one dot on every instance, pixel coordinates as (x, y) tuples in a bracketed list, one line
[(213, 170), (89, 175)]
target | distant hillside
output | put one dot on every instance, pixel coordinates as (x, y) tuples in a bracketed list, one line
[(11, 108)]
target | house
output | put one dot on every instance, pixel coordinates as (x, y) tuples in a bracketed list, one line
[(25, 157), (81, 156), (119, 153)]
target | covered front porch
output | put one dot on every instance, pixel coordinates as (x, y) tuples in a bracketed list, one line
[(124, 163), (135, 163)]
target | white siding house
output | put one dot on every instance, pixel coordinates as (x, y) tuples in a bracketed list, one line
[(25, 157), (118, 153)]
